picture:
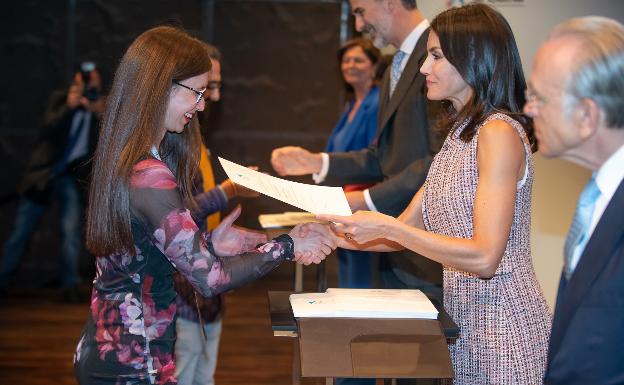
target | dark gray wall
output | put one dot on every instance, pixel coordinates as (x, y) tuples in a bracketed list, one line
[(279, 69)]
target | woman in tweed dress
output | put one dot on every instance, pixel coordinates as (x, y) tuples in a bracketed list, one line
[(473, 213)]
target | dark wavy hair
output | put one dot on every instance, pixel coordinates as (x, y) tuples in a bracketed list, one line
[(132, 123), (371, 52), (479, 43)]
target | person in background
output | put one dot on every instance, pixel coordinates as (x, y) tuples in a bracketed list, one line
[(197, 350), (576, 99), (57, 172), (139, 225), (473, 214), (398, 159), (355, 130)]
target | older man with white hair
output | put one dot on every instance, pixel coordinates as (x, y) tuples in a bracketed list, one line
[(576, 98)]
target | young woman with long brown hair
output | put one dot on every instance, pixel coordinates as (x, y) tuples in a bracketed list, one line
[(139, 224)]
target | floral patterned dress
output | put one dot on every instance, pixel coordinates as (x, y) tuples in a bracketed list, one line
[(130, 334)]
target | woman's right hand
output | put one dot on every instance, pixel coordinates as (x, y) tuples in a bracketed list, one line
[(228, 240), (313, 242)]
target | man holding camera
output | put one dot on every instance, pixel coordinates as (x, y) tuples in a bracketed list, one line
[(57, 171)]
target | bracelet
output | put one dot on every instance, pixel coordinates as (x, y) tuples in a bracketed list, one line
[(288, 245)]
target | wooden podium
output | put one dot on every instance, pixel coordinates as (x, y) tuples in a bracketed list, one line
[(366, 347)]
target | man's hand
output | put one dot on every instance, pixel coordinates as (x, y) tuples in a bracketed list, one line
[(291, 160), (244, 192), (232, 189), (74, 96)]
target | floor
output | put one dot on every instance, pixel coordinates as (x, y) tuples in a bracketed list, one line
[(38, 334)]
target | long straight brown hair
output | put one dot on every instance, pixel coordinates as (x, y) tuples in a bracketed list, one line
[(133, 122)]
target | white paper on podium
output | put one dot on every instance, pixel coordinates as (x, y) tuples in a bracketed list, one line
[(364, 303), (311, 198), (285, 219)]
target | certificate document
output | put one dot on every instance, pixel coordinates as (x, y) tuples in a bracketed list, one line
[(286, 219), (311, 198), (364, 303)]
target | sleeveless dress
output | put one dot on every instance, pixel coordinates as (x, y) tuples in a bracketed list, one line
[(504, 321), (130, 332)]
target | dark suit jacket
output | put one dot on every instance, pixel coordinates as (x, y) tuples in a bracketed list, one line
[(400, 157), (587, 340), (51, 144)]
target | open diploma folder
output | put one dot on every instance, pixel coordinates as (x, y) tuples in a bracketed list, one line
[(311, 198), (363, 303)]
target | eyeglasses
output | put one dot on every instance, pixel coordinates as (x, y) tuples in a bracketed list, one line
[(199, 93), (533, 97)]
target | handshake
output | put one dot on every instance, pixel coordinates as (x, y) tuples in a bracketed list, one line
[(313, 242)]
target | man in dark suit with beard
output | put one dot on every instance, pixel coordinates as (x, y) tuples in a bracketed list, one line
[(399, 159)]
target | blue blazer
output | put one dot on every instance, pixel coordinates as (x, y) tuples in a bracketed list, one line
[(361, 131), (587, 340)]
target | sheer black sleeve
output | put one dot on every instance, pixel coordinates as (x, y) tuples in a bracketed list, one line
[(156, 200)]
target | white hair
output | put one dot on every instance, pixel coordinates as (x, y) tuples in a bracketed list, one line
[(598, 73)]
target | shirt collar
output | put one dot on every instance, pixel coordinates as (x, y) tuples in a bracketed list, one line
[(155, 153), (410, 41), (611, 173)]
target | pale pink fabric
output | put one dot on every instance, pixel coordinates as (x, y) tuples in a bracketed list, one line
[(504, 321)]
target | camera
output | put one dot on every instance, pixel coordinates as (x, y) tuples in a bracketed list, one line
[(91, 93)]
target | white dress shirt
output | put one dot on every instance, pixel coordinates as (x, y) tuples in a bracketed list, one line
[(608, 178), (81, 122), (408, 47)]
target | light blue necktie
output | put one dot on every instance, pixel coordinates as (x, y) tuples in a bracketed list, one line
[(577, 236), (395, 72)]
